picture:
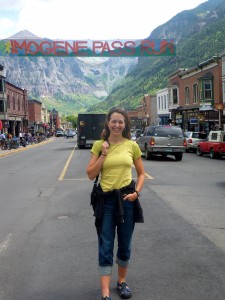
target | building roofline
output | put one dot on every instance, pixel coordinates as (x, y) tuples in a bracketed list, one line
[(22, 89)]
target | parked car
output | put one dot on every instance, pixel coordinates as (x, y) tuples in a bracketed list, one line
[(59, 133), (164, 140), (214, 145), (138, 133), (70, 134), (192, 139), (133, 136)]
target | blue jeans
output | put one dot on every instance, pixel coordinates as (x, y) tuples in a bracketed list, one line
[(107, 236)]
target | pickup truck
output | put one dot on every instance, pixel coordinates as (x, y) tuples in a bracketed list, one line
[(214, 144), (163, 140)]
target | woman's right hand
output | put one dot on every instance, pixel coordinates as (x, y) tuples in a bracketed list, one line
[(105, 147)]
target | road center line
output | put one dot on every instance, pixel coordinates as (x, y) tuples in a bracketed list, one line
[(61, 177), (148, 176), (4, 245)]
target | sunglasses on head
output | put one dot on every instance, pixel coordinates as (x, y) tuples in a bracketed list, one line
[(115, 108)]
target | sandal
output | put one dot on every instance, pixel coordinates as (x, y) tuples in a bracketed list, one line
[(123, 290), (106, 298)]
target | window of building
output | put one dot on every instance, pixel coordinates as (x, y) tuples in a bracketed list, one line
[(207, 89), (8, 102), (195, 93), (162, 102), (18, 103), (187, 95), (14, 103), (175, 96), (2, 85), (159, 103), (165, 104), (223, 91), (1, 106)]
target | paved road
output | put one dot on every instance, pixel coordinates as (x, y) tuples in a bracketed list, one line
[(48, 247)]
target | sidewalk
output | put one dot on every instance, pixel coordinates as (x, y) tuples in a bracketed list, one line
[(4, 153)]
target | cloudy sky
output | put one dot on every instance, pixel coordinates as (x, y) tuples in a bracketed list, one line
[(88, 19)]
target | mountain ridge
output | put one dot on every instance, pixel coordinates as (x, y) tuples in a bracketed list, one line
[(74, 84), (200, 35)]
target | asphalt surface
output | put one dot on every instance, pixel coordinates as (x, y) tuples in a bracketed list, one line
[(48, 243)]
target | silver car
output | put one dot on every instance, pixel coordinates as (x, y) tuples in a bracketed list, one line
[(164, 140), (193, 138)]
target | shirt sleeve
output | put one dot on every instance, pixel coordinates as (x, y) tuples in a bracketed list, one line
[(136, 151), (97, 147)]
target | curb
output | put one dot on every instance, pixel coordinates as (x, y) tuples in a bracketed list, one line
[(28, 147)]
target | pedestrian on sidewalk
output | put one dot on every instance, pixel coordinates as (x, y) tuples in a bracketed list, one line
[(117, 207)]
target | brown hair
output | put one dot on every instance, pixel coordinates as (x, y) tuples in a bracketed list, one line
[(126, 132)]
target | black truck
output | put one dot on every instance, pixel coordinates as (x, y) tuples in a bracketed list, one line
[(89, 128)]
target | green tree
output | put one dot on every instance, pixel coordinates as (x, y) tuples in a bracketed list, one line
[(72, 119)]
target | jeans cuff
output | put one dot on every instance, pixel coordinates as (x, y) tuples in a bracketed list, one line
[(122, 263), (105, 270)]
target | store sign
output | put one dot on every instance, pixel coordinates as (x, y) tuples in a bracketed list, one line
[(193, 121), (219, 106)]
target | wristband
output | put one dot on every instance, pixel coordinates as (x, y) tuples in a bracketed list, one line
[(138, 194), (104, 154)]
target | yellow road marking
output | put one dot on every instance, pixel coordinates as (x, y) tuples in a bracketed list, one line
[(148, 176), (61, 177)]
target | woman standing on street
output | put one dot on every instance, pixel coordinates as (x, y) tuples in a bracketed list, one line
[(117, 205)]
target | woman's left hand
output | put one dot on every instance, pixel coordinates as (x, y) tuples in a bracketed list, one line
[(130, 197)]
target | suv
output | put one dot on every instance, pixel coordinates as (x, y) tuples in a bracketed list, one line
[(59, 133), (164, 140), (193, 138)]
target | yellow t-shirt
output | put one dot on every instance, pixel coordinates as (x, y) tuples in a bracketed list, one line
[(116, 169)]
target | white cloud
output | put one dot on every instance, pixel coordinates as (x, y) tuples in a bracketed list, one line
[(11, 4), (99, 19), (7, 26)]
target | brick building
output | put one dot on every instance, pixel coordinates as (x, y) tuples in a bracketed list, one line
[(194, 94), (13, 107), (35, 115), (17, 109)]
